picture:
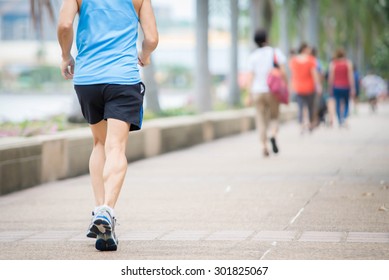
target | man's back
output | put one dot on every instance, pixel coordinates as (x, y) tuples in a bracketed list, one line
[(106, 41)]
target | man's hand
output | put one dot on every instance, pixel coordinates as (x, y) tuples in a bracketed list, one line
[(143, 60), (67, 68)]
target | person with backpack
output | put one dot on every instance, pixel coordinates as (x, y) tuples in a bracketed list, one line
[(267, 106)]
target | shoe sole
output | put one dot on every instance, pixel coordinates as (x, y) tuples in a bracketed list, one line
[(106, 242), (91, 233)]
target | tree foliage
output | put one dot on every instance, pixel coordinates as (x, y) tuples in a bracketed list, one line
[(381, 56), (358, 26)]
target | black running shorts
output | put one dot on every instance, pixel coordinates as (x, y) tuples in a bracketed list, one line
[(109, 101)]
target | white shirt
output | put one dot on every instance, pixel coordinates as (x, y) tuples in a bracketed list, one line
[(260, 64), (374, 85)]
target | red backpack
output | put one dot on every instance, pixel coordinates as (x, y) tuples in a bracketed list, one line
[(277, 84)]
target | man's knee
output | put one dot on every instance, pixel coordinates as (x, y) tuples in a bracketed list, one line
[(98, 142), (115, 146)]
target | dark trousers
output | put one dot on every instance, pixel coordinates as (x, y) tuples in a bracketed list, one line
[(309, 102), (342, 99)]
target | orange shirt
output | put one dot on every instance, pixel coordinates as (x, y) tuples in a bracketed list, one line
[(303, 82)]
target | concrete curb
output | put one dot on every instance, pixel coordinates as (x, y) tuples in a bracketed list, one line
[(27, 162)]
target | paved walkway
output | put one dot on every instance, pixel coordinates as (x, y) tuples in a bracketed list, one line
[(325, 196)]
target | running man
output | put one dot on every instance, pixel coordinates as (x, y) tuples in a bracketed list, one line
[(109, 88)]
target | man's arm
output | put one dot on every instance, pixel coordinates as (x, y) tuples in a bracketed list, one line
[(249, 84), (65, 35), (149, 27)]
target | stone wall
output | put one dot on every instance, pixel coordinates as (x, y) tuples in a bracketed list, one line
[(27, 162)]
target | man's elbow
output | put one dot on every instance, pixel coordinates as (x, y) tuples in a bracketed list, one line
[(152, 41), (65, 26)]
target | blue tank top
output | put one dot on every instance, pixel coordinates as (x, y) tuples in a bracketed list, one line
[(106, 42)]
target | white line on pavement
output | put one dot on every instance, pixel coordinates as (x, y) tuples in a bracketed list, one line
[(295, 217)]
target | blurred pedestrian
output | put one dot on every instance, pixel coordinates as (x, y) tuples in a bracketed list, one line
[(305, 84), (320, 106), (261, 62), (330, 101), (110, 91), (375, 87), (357, 81), (341, 84)]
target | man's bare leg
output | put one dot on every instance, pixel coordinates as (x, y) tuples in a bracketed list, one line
[(108, 169), (97, 161), (115, 162)]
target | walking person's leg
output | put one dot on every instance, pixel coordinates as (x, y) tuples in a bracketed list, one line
[(373, 104), (316, 106), (338, 105), (261, 120), (346, 98), (306, 117), (355, 101), (310, 99), (274, 122), (300, 104), (331, 110)]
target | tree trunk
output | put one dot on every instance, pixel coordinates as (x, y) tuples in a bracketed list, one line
[(360, 51), (261, 15), (234, 94), (152, 100), (255, 20), (266, 14), (284, 34), (203, 96), (313, 23)]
